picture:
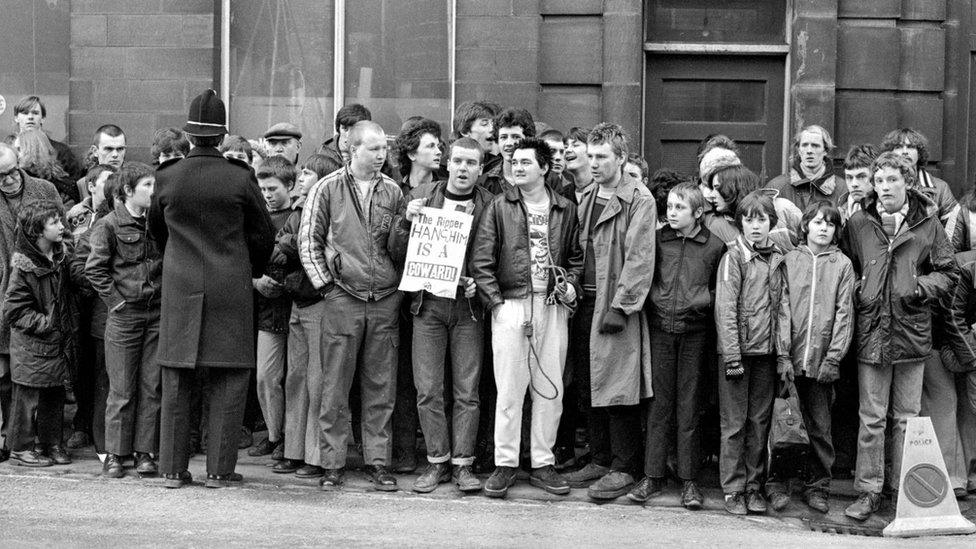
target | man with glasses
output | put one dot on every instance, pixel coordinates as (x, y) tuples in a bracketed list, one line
[(17, 189)]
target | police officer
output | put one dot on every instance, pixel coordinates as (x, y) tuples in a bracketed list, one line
[(212, 225)]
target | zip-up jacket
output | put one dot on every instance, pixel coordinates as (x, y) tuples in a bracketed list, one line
[(801, 190), (124, 264), (360, 251), (940, 194), (682, 294), (434, 192), (901, 280), (274, 312), (821, 308), (959, 314), (286, 244), (752, 307), (501, 262)]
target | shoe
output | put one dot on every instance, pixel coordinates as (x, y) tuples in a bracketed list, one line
[(960, 493), (735, 503), (647, 488), (30, 458), (434, 474), (263, 448), (286, 466), (549, 480), (866, 505), (309, 471), (587, 475), (755, 502), (778, 500), (4, 454), (279, 451), (404, 466), (816, 500), (177, 480), (500, 481), (565, 457), (691, 497), (244, 440), (78, 439), (611, 486), (223, 481), (146, 465), (382, 479), (331, 479), (112, 467), (58, 455), (465, 480)]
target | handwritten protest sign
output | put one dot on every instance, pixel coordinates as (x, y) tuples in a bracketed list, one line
[(435, 254)]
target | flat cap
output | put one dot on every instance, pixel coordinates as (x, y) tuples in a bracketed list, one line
[(283, 129)]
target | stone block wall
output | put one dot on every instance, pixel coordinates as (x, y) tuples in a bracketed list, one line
[(137, 64)]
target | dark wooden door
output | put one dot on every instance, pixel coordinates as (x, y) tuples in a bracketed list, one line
[(688, 97)]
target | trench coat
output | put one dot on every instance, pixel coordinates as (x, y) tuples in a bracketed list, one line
[(212, 225), (623, 244)]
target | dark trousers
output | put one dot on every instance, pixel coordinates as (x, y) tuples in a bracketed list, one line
[(132, 410), (816, 400), (405, 420), (35, 412), (84, 382), (6, 396), (358, 336), (442, 325), (100, 396), (745, 406), (224, 393), (674, 412)]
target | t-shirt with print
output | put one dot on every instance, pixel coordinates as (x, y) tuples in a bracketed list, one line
[(539, 244)]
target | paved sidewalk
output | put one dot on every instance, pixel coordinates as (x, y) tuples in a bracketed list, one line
[(258, 475)]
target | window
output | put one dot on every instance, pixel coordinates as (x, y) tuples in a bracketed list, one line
[(717, 21), (281, 59), (395, 57)]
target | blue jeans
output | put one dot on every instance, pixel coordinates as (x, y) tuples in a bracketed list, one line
[(443, 324), (135, 381)]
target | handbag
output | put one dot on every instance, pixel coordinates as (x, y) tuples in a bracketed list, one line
[(787, 429)]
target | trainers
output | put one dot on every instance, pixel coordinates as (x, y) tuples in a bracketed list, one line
[(587, 475), (465, 480), (58, 455), (735, 503), (177, 480), (499, 482), (755, 502), (382, 479), (549, 480), (778, 500), (112, 467), (817, 500), (286, 466), (434, 474), (78, 439), (262, 448), (331, 479), (691, 496), (145, 465), (645, 489), (866, 505), (30, 458), (611, 486)]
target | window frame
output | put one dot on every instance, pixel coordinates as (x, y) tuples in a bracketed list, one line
[(338, 61)]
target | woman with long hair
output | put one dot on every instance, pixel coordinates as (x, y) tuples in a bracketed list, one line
[(38, 158)]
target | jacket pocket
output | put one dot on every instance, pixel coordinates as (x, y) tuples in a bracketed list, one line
[(130, 246), (38, 347)]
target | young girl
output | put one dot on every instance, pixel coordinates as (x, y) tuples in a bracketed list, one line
[(753, 322), (821, 287), (40, 310), (125, 268)]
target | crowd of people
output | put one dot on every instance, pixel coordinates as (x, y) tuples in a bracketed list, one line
[(609, 329)]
